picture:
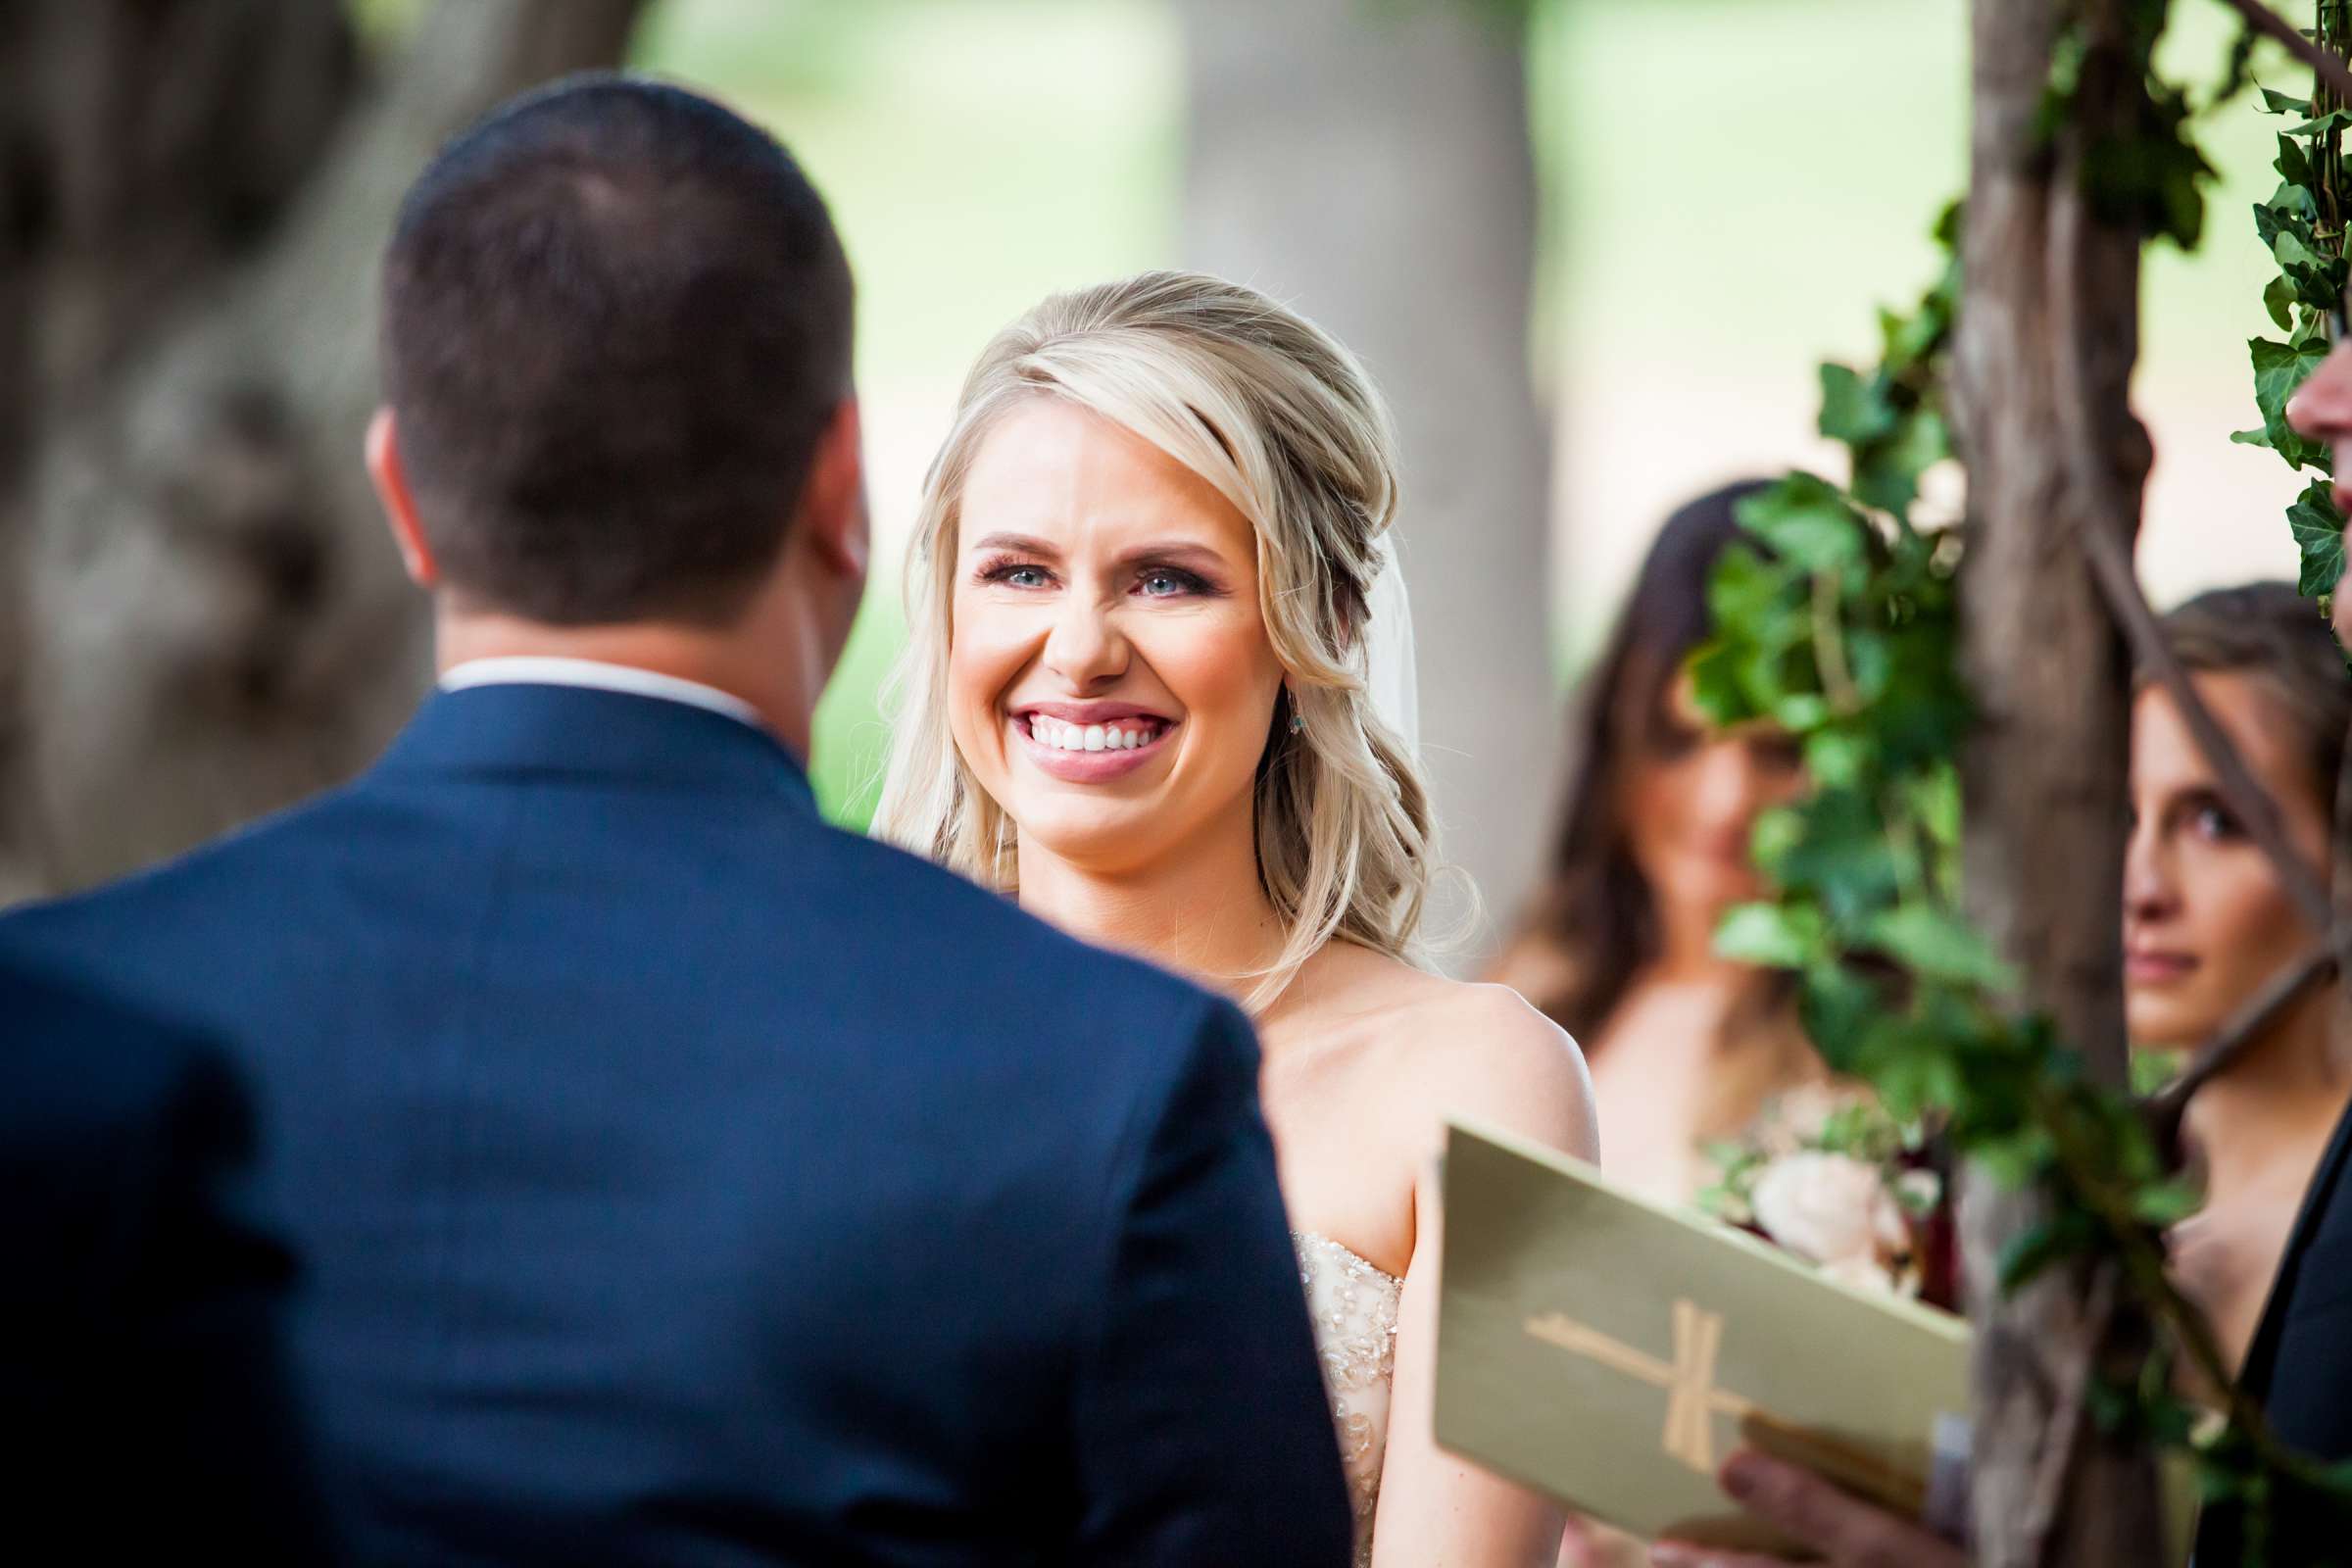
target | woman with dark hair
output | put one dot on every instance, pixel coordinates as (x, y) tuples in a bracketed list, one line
[(2207, 922), (1686, 1046)]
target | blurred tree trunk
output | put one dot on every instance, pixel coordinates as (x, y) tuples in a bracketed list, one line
[(200, 617), (2048, 333), (1367, 160)]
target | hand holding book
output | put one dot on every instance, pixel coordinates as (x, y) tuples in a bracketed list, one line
[(1846, 1531)]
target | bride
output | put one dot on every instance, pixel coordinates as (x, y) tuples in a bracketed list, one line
[(1136, 698)]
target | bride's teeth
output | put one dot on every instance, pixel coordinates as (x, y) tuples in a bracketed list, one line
[(1060, 736)]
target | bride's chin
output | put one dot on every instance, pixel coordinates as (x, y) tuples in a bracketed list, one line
[(1092, 843)]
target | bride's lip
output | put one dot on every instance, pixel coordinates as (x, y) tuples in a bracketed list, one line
[(1084, 768)]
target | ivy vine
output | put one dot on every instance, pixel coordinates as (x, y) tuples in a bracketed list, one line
[(1837, 620), (2302, 227)]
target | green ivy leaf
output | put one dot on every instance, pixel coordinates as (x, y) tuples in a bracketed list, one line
[(1915, 1073), (1887, 473), (2291, 162), (1745, 587), (1853, 410), (2167, 1204), (2279, 103), (1777, 831), (1842, 858), (1935, 798), (2016, 1159), (1714, 668), (1838, 1007), (2278, 369), (2280, 299), (1806, 522), (1777, 936), (2291, 209), (2289, 249), (1940, 945), (1799, 711), (2318, 530), (2335, 119), (1838, 758)]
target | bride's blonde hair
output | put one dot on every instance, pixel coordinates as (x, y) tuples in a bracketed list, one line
[(1269, 408)]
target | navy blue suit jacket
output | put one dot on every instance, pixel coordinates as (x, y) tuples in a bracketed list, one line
[(682, 1180), (144, 1398)]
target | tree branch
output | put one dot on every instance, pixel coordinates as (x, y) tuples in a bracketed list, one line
[(2215, 1057), (2325, 66)]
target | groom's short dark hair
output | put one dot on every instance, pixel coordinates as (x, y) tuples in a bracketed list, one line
[(615, 320)]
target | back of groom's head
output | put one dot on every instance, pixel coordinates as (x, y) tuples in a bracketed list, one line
[(617, 323)]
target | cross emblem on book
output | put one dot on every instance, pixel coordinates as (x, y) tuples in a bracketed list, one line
[(1693, 1401)]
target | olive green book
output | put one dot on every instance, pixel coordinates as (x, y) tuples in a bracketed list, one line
[(1612, 1350)]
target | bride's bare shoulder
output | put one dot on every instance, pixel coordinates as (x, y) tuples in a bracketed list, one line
[(1478, 1049)]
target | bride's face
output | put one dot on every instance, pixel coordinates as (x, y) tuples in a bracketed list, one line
[(1110, 683)]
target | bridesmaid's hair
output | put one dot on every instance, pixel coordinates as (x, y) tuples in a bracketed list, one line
[(1593, 920), (1288, 426), (2269, 631)]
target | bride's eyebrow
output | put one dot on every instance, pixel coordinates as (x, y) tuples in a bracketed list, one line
[(1013, 544), (1175, 553)]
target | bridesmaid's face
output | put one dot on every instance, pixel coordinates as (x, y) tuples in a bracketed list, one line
[(1110, 681), (2206, 919), (1691, 793)]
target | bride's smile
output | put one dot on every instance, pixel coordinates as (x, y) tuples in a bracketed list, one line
[(1090, 743), (1111, 679)]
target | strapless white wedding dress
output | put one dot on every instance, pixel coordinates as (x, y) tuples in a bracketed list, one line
[(1353, 1306)]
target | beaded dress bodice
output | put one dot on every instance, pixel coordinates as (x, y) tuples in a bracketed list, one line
[(1354, 1304)]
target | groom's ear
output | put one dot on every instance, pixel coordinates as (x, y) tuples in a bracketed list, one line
[(400, 508), (832, 517)]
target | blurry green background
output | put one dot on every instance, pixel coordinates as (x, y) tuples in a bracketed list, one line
[(1729, 187)]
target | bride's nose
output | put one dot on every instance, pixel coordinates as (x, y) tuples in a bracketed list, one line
[(1084, 648)]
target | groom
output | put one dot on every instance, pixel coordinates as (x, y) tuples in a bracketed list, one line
[(678, 1179)]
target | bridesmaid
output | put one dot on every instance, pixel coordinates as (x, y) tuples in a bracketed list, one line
[(1617, 946), (2207, 922)]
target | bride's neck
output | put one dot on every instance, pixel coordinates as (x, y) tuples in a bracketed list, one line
[(1197, 908)]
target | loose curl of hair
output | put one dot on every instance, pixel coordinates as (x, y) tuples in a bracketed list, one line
[(1286, 425)]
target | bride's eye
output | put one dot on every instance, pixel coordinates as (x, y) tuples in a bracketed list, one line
[(1016, 575), (1166, 582)]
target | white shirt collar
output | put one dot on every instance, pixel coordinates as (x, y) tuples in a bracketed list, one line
[(553, 670)]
